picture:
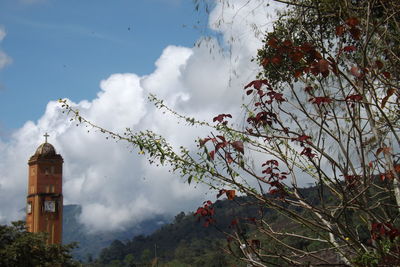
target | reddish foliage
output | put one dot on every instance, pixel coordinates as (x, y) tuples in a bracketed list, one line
[(386, 74), (384, 230), (270, 162), (212, 155), (352, 180), (256, 84), (306, 47), (308, 153), (379, 64), (354, 98), (234, 222), (298, 73), (273, 42), (205, 140), (276, 96), (355, 33), (340, 30), (206, 212), (265, 62), (321, 100), (238, 146), (352, 22), (230, 194), (297, 56), (390, 92), (301, 138), (355, 71), (228, 158), (221, 117), (308, 89), (276, 60), (349, 48), (323, 65), (262, 118), (385, 150)]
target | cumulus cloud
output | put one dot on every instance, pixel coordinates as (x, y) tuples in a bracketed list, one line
[(115, 186)]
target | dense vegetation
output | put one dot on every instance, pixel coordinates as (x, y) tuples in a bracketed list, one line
[(21, 248)]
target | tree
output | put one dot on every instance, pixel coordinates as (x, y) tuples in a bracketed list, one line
[(21, 248), (324, 108)]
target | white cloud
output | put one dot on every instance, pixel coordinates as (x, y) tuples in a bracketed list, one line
[(115, 186)]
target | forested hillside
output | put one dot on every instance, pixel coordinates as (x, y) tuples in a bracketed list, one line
[(190, 241)]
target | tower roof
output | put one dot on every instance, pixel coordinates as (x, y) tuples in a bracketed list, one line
[(45, 149)]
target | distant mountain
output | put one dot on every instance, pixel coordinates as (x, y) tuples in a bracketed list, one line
[(90, 245)]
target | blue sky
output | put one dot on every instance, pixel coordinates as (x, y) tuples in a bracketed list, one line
[(64, 48)]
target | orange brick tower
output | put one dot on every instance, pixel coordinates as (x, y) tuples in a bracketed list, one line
[(45, 199)]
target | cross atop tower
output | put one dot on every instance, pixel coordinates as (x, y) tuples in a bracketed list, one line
[(45, 137)]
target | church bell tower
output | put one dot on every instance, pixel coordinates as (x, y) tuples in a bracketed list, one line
[(45, 199)]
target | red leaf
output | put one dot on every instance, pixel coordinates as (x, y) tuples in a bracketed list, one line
[(320, 100), (355, 71), (212, 154), (397, 168), (221, 117), (287, 43), (276, 60), (272, 162), (308, 89), (352, 22), (297, 56), (256, 84), (228, 158), (354, 98), (203, 141), (386, 74), (340, 30), (355, 33), (306, 47), (273, 42), (370, 164), (385, 150), (220, 145), (379, 64), (323, 65), (249, 92), (265, 62), (298, 73), (349, 48), (308, 152), (221, 138), (301, 138), (230, 194), (238, 145)]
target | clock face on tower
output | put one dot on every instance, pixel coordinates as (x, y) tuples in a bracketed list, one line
[(50, 206), (29, 207)]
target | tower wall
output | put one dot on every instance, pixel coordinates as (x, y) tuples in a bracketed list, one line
[(45, 199)]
